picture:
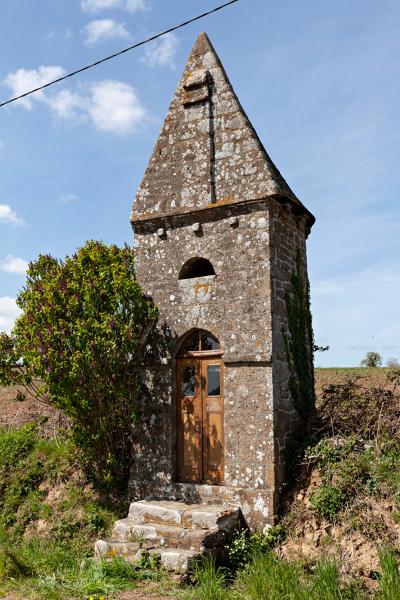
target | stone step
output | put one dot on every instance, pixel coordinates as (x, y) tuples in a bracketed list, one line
[(189, 516), (177, 531), (128, 530), (172, 559)]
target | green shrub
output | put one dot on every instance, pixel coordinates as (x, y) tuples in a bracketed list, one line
[(15, 445), (245, 544), (327, 501), (83, 326)]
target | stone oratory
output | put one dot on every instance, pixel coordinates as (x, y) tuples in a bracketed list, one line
[(218, 237)]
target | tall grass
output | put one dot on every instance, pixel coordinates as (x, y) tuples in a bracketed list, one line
[(55, 572), (269, 578), (266, 577), (209, 582), (390, 578)]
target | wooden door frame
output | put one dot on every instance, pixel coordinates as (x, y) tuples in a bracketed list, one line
[(203, 359)]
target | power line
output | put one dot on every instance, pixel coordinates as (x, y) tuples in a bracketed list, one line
[(102, 60)]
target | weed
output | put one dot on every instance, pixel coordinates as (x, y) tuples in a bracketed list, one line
[(389, 579), (327, 501), (245, 544), (57, 564), (209, 581)]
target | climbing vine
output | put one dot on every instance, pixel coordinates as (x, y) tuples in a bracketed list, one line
[(299, 343)]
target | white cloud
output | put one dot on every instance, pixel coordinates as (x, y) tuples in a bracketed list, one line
[(7, 215), (109, 105), (161, 53), (67, 198), (66, 104), (14, 264), (115, 107), (95, 6), (62, 35), (25, 80), (104, 29), (9, 311)]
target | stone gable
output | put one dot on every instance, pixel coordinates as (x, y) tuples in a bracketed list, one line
[(207, 152)]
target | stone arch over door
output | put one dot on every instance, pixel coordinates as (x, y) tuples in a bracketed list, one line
[(200, 409)]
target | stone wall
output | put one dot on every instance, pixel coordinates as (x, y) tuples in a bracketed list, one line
[(288, 237), (235, 306), (253, 252)]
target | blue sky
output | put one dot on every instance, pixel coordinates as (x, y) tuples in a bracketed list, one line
[(319, 80)]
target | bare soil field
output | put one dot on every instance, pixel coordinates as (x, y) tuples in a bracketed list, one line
[(16, 414), (370, 376)]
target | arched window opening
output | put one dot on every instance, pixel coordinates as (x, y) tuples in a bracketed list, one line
[(199, 341), (196, 267)]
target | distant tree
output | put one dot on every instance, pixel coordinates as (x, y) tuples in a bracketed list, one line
[(372, 359), (77, 346), (392, 363)]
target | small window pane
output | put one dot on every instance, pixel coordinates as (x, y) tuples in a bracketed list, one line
[(189, 381), (214, 388), (192, 344), (208, 343)]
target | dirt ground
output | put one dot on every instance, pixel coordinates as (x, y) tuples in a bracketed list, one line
[(16, 414), (371, 377), (142, 594)]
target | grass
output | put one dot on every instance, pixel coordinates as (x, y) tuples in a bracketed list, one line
[(266, 577), (50, 517), (55, 571)]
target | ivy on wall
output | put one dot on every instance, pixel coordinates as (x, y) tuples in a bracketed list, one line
[(299, 342)]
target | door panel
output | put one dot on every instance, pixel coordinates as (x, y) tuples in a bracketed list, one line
[(189, 421), (213, 421), (200, 415)]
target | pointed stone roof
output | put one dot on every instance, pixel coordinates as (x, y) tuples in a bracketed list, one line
[(208, 153)]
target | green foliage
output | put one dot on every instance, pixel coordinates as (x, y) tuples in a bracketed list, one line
[(209, 581), (57, 571), (299, 343), (349, 468), (41, 483), (246, 544), (268, 578), (15, 445), (29, 466), (389, 579), (327, 501), (77, 346), (371, 360)]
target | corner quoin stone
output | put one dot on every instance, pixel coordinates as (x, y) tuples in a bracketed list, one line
[(210, 190)]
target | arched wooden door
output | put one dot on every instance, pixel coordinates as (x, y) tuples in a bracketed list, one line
[(200, 410)]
